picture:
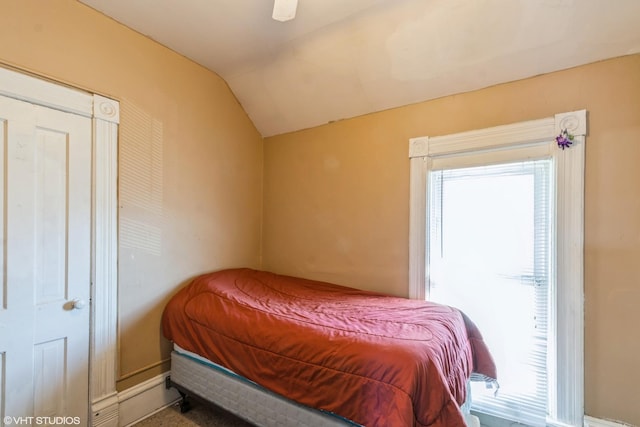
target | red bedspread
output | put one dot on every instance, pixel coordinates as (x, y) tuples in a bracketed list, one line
[(371, 358)]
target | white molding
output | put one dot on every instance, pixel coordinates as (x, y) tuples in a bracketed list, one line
[(567, 398), (568, 316), (105, 411), (575, 122), (418, 226), (106, 109), (104, 307), (488, 421), (419, 147), (596, 422), (497, 137), (42, 92), (145, 399)]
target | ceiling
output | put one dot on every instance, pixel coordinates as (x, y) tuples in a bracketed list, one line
[(344, 58)]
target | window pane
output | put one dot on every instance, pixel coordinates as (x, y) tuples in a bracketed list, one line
[(488, 246)]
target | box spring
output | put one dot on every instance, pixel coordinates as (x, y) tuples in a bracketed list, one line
[(243, 397)]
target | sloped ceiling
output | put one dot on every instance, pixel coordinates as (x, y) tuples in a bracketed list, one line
[(343, 58)]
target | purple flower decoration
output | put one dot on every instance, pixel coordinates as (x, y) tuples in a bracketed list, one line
[(565, 139)]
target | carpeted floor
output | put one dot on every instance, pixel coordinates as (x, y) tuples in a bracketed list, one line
[(200, 415)]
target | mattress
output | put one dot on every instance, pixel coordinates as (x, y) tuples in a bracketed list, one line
[(374, 359), (243, 397)]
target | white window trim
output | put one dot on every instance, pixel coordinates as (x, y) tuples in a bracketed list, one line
[(566, 393)]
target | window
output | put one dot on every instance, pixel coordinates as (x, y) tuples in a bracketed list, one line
[(496, 230), (494, 265)]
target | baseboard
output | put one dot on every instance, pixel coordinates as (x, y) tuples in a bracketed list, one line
[(488, 421), (595, 422), (145, 399), (104, 411)]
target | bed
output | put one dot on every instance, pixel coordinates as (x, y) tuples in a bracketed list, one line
[(349, 356)]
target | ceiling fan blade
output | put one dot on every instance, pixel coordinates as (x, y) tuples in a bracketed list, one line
[(284, 10)]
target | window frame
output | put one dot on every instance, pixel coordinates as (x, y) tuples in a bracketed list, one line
[(566, 352)]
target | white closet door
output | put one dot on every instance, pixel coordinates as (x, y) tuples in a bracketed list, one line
[(45, 264)]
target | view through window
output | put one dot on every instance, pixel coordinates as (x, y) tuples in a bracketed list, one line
[(489, 245)]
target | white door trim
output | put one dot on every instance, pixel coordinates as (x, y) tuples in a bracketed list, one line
[(104, 297), (104, 309)]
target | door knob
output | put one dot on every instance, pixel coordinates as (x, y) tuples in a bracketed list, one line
[(78, 304)]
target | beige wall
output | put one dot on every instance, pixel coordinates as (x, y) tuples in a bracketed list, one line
[(190, 159), (337, 197)]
